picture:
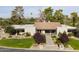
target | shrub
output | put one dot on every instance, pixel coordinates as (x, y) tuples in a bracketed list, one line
[(10, 36), (54, 36), (63, 38), (39, 38), (76, 33), (70, 34), (28, 34), (10, 30)]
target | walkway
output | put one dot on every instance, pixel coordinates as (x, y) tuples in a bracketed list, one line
[(49, 40), (50, 45), (75, 38)]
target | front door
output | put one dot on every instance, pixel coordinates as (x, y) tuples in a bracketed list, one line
[(47, 31), (51, 32)]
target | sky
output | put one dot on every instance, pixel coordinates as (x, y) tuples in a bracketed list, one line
[(5, 11)]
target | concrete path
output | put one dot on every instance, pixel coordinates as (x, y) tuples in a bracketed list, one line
[(50, 45), (49, 40), (74, 38)]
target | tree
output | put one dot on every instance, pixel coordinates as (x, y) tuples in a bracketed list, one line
[(17, 15), (47, 13), (76, 33), (18, 12), (67, 20), (41, 16), (58, 16), (32, 19), (1, 18), (74, 17)]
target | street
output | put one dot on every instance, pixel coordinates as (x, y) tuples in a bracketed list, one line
[(29, 50), (11, 50)]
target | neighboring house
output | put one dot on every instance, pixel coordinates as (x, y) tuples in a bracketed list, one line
[(44, 27)]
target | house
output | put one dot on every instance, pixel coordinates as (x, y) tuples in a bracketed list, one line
[(44, 27), (47, 27), (65, 28), (30, 28)]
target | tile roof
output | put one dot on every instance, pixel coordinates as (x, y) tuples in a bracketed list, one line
[(47, 25)]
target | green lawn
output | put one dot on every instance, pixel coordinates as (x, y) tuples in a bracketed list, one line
[(18, 43), (28, 42), (74, 43)]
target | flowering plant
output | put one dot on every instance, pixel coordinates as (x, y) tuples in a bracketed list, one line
[(39, 38)]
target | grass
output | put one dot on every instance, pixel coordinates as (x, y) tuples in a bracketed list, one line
[(17, 43), (74, 44), (28, 42)]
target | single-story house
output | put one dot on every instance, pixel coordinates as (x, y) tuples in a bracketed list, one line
[(65, 28), (30, 28), (44, 27), (47, 27)]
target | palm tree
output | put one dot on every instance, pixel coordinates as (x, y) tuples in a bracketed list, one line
[(17, 15)]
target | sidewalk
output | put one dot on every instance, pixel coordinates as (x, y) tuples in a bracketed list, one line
[(51, 47), (74, 38), (11, 49)]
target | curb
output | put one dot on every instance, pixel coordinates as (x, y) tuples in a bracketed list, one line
[(40, 50)]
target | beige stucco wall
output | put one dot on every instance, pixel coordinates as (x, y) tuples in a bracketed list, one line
[(27, 28), (62, 29), (43, 32), (30, 28)]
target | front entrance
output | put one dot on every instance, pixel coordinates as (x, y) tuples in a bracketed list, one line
[(52, 32), (47, 31)]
